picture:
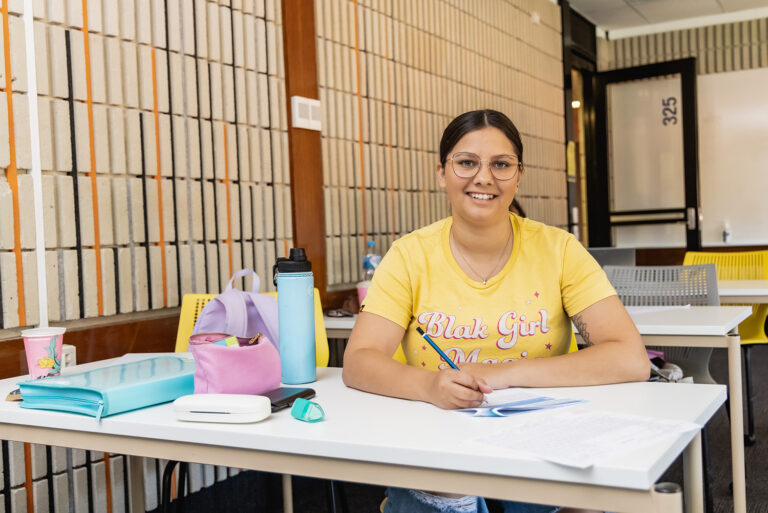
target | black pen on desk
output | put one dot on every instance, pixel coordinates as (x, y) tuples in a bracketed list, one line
[(439, 351)]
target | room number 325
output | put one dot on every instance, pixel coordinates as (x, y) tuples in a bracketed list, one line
[(669, 111)]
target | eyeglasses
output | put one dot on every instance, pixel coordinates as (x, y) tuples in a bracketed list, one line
[(502, 167)]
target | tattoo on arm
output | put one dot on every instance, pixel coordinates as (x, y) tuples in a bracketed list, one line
[(582, 327)]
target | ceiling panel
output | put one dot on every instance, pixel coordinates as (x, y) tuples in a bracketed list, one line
[(585, 6), (623, 14), (739, 5), (660, 11), (617, 17)]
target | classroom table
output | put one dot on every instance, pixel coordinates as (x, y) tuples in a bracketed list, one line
[(380, 440), (705, 326), (743, 291), (699, 326)]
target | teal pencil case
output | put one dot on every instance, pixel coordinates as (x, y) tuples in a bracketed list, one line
[(113, 389)]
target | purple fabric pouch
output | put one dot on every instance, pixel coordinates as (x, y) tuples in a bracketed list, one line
[(252, 369)]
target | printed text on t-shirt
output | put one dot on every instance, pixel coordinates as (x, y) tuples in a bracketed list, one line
[(510, 327)]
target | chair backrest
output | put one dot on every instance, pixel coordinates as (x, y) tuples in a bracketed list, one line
[(613, 256), (665, 285), (741, 265), (192, 305)]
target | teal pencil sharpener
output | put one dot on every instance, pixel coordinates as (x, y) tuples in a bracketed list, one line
[(307, 411)]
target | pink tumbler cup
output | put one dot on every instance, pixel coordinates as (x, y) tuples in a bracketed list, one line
[(362, 290), (43, 349)]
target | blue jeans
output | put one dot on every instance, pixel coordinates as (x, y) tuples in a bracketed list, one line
[(401, 500)]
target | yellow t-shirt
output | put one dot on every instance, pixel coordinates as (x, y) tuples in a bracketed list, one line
[(522, 312)]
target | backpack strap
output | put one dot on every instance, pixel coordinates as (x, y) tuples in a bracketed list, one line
[(266, 306), (243, 273), (236, 320)]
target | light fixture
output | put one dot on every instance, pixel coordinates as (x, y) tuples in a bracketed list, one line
[(575, 104)]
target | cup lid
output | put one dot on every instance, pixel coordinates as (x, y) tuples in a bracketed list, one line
[(43, 332)]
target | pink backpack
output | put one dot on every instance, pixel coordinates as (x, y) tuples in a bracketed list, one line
[(239, 313)]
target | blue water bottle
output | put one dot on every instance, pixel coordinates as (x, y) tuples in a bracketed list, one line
[(296, 317)]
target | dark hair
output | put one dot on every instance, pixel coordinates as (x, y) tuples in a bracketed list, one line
[(475, 120), (516, 208)]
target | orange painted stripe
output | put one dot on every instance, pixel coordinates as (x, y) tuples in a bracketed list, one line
[(92, 173), (158, 178), (174, 489), (360, 120), (226, 186), (108, 479), (28, 482), (11, 171)]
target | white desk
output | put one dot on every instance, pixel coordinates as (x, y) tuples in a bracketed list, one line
[(743, 291), (706, 326), (380, 440)]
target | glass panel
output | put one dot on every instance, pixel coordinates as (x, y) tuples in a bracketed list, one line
[(649, 236), (645, 136), (645, 145)]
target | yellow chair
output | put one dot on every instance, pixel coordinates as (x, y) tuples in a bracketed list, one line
[(192, 305), (742, 265), (573, 347)]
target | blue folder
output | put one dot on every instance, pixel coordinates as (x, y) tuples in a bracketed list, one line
[(114, 389)]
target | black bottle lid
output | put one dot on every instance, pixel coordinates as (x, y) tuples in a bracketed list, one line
[(295, 263)]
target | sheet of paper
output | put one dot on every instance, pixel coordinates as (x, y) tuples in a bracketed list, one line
[(508, 395), (580, 437)]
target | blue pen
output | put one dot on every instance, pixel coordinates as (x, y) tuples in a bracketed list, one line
[(434, 346)]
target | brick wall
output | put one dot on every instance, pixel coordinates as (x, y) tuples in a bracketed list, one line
[(420, 64), (163, 165)]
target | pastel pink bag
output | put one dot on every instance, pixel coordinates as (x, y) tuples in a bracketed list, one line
[(252, 369)]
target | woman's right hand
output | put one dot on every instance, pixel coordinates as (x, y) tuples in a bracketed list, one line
[(368, 366), (451, 389)]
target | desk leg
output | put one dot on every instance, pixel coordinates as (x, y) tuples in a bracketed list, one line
[(737, 424), (287, 494), (694, 477), (136, 483)]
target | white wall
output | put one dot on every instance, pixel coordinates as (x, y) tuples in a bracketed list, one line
[(733, 156)]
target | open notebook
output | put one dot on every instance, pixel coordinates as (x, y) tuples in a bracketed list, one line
[(114, 389)]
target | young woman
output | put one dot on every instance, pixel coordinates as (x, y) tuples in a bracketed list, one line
[(495, 291)]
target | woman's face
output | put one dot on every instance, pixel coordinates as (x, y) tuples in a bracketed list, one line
[(481, 198)]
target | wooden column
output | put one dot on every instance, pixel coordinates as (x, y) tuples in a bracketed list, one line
[(304, 149)]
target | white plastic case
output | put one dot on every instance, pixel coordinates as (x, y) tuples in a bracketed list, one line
[(226, 408)]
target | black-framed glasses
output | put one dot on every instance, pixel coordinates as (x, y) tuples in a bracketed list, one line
[(502, 167)]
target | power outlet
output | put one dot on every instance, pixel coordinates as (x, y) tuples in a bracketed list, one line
[(306, 113), (68, 355)]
